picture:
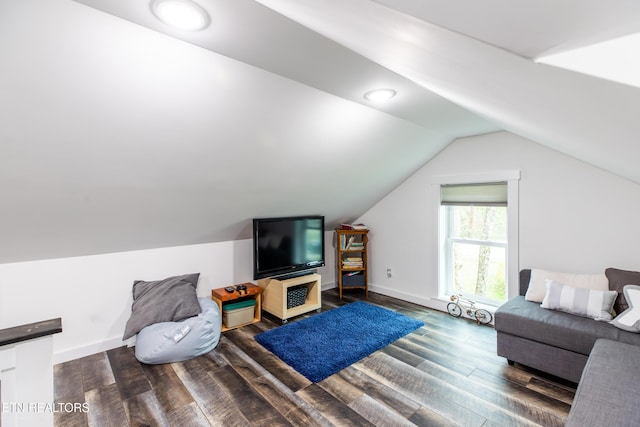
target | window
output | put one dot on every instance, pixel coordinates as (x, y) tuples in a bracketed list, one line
[(474, 242)]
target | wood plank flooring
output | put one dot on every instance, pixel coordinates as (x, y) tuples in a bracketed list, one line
[(444, 374)]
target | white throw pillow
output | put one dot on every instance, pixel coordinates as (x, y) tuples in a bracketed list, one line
[(579, 301), (537, 285), (629, 320)]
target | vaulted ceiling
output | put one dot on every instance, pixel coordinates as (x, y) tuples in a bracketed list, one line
[(119, 133)]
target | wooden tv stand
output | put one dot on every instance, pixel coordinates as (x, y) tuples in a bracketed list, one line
[(274, 296)]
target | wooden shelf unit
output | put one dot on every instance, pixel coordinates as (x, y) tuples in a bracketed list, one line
[(274, 296), (351, 246), (221, 297)]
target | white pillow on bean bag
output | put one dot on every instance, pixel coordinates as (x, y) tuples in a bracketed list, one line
[(167, 342)]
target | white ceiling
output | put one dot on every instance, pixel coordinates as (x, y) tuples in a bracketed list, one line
[(253, 34), (118, 136), (528, 28), (616, 60)]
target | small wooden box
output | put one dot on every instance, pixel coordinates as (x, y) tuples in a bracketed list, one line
[(222, 298)]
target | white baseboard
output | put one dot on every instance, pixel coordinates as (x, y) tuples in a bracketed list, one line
[(327, 286), (87, 350), (429, 302)]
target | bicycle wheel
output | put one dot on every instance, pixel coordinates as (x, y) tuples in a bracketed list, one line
[(454, 309), (483, 316)]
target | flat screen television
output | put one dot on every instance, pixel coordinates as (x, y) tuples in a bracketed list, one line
[(287, 245)]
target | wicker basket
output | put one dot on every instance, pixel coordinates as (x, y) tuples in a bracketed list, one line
[(296, 296)]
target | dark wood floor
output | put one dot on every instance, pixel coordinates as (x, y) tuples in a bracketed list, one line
[(444, 374)]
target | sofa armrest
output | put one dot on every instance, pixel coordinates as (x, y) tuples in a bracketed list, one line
[(525, 277)]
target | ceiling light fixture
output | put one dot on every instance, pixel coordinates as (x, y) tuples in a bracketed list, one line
[(181, 14), (379, 95)]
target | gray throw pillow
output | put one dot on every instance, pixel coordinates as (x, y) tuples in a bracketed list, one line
[(168, 300), (618, 279), (629, 320)]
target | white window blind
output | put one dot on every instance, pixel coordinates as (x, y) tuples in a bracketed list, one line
[(485, 194)]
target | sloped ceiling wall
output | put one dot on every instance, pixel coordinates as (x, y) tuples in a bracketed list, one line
[(116, 138)]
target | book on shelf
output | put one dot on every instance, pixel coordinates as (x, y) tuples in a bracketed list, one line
[(350, 244), (358, 226), (352, 262)]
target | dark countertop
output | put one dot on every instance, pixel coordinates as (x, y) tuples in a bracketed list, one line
[(30, 331)]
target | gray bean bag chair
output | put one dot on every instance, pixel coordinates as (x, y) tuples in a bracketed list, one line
[(167, 342)]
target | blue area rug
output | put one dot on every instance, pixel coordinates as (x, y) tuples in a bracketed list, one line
[(323, 344)]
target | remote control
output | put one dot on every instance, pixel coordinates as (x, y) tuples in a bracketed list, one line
[(229, 289)]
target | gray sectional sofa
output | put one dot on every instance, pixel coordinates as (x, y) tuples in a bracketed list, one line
[(602, 359), (551, 341)]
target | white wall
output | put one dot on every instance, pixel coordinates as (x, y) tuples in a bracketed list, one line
[(573, 217), (92, 294)]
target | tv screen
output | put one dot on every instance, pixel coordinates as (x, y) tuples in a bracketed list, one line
[(287, 245)]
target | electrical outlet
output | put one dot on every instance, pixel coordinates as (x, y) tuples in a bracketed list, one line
[(389, 272)]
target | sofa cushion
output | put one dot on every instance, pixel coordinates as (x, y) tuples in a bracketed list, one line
[(538, 286), (581, 302), (607, 392), (567, 331), (618, 279)]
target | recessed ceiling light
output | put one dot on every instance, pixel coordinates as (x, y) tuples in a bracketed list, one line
[(379, 95), (181, 14)]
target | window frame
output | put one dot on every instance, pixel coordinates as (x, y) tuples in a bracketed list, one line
[(512, 178)]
